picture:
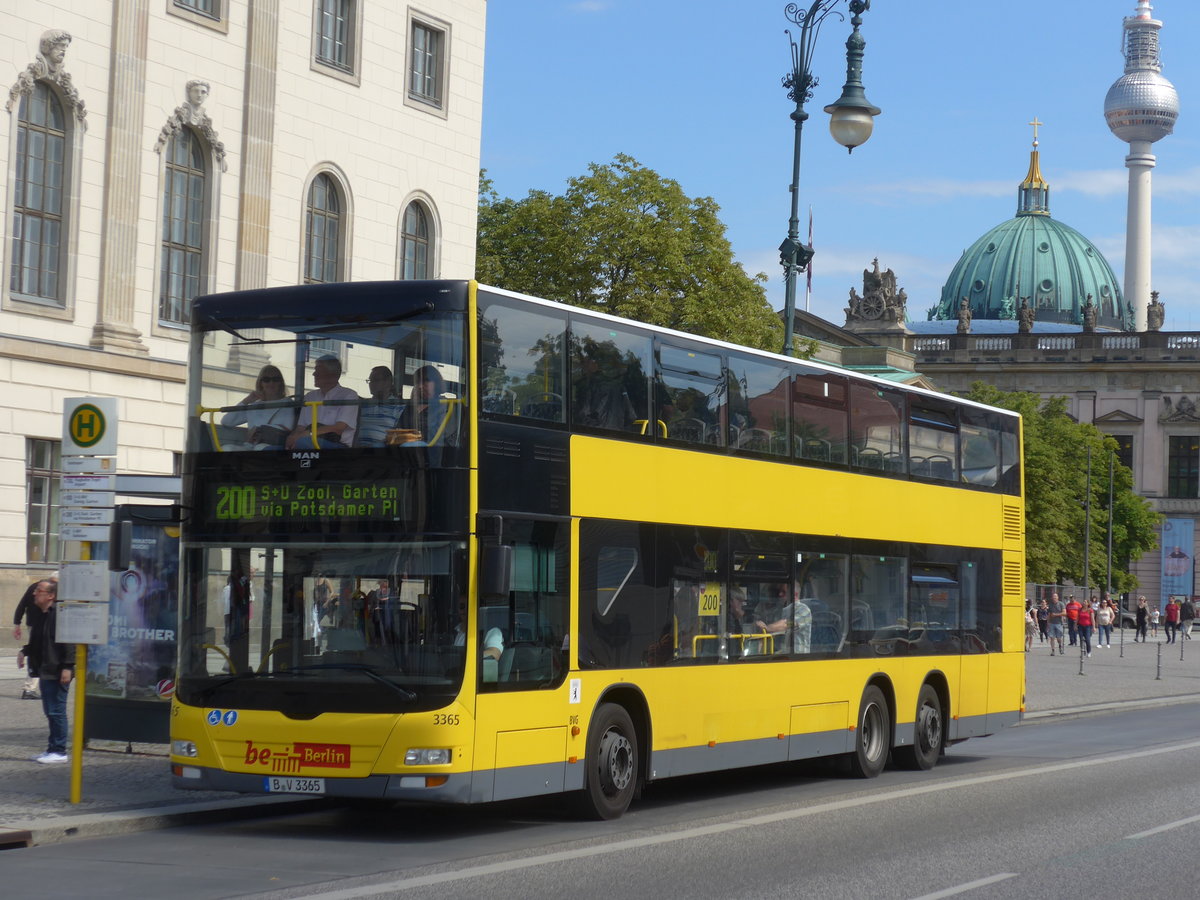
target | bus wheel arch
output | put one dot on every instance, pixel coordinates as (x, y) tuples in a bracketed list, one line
[(874, 729), (929, 726), (616, 758)]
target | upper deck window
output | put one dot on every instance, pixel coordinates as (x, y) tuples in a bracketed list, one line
[(522, 364)]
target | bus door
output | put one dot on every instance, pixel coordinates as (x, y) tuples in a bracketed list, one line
[(523, 651)]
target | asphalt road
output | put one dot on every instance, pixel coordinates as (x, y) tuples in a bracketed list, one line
[(1100, 806)]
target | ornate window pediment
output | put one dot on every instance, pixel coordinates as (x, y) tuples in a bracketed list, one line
[(1181, 410), (48, 67), (192, 115)]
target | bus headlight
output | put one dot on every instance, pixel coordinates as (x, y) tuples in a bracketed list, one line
[(183, 748), (422, 756)]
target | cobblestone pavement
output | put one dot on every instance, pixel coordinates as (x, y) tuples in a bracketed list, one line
[(127, 787)]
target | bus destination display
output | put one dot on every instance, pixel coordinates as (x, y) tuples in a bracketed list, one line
[(243, 502)]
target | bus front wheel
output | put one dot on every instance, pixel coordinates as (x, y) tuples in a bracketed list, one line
[(872, 737), (928, 733), (611, 763)]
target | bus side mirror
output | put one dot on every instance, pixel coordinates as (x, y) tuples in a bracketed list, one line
[(120, 545), (495, 571)]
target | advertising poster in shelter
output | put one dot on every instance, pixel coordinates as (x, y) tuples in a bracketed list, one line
[(131, 679), (1178, 558)]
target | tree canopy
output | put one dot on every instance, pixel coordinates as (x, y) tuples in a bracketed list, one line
[(1056, 488), (624, 240)]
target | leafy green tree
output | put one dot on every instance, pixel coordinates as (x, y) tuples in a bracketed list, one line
[(624, 240), (1056, 488)]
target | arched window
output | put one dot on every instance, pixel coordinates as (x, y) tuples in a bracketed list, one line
[(184, 191), (323, 232), (414, 242), (38, 209)]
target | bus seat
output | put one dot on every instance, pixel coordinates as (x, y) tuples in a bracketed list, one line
[(525, 663)]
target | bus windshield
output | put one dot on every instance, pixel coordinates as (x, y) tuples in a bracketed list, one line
[(324, 539), (307, 629)]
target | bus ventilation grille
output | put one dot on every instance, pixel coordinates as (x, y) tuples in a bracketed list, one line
[(1014, 581), (1014, 523), (497, 447)]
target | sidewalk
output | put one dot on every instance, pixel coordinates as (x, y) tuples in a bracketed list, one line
[(131, 791)]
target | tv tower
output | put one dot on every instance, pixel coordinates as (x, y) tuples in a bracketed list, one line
[(1141, 108)]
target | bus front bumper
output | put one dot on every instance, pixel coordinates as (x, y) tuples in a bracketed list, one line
[(450, 788)]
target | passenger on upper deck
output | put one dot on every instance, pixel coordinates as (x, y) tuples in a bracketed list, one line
[(425, 414), (377, 418), (266, 429), (336, 419)]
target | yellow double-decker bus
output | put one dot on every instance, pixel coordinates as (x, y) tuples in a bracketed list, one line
[(452, 544)]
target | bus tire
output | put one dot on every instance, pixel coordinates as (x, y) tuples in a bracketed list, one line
[(611, 765), (929, 733), (872, 737)]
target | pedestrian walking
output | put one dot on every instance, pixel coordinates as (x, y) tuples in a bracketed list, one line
[(1058, 612), (1187, 613), (1043, 620), (1030, 625), (1085, 629), (1104, 620), (1154, 617), (1143, 619), (1073, 619), (55, 667), (1171, 620)]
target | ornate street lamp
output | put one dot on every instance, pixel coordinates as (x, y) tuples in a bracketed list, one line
[(850, 123)]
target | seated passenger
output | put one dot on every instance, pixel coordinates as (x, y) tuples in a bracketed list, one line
[(266, 429), (493, 642), (378, 417), (794, 616), (426, 413), (336, 419), (746, 634)]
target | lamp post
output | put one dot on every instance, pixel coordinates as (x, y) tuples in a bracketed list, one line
[(850, 123)]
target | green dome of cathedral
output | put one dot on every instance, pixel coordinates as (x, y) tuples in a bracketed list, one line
[(1038, 259)]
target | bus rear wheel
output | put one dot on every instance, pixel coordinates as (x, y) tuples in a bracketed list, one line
[(872, 737), (611, 764), (928, 733)]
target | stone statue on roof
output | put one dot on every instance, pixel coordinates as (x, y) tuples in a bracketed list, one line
[(1089, 316), (964, 316), (881, 305), (1155, 313), (1025, 316)]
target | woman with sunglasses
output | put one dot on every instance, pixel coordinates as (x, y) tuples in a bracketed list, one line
[(266, 426)]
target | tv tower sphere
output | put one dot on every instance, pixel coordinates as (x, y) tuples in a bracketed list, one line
[(1141, 105)]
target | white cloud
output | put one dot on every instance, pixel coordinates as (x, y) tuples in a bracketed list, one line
[(1096, 183), (1175, 245), (1090, 183), (931, 189)]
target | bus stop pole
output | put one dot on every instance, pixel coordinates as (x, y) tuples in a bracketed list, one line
[(81, 651)]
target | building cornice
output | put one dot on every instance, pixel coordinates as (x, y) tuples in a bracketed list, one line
[(76, 357)]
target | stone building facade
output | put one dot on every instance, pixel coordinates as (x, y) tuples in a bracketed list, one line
[(1143, 388), (153, 150)]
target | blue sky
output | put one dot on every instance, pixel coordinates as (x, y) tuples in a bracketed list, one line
[(692, 90)]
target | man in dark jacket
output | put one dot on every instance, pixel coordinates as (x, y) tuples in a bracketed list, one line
[(28, 613), (55, 667)]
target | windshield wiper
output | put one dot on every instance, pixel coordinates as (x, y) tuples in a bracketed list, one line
[(369, 671)]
